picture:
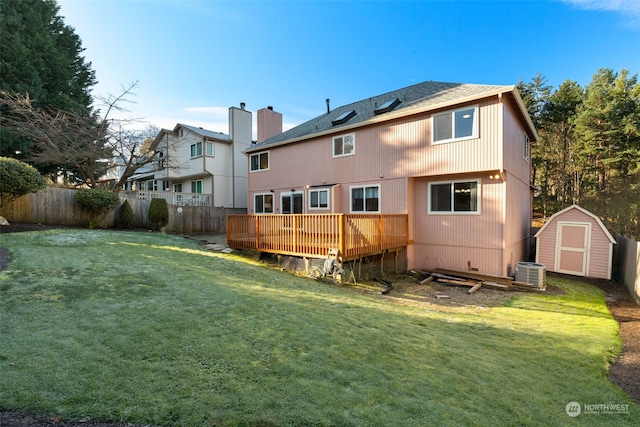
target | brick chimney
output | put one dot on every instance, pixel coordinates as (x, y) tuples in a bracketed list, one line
[(269, 123)]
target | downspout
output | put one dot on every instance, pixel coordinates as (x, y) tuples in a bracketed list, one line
[(204, 167), (232, 137), (502, 175), (233, 172)]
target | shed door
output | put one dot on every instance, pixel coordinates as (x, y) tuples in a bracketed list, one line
[(572, 247)]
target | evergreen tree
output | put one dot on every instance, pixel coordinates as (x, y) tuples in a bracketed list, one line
[(41, 57), (558, 134), (535, 95), (607, 149)]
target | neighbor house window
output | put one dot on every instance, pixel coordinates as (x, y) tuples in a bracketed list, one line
[(526, 147), (259, 161), (455, 124), (365, 199), (263, 203), (196, 186), (318, 199), (177, 188), (454, 197), (209, 148), (344, 145), (196, 149)]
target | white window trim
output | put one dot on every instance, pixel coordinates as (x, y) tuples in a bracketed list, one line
[(364, 187), (474, 133), (190, 149), (213, 149), (273, 198), (328, 207), (452, 212), (290, 194), (258, 154), (333, 145), (196, 181)]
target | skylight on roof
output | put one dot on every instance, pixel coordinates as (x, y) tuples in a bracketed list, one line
[(387, 106), (343, 118)]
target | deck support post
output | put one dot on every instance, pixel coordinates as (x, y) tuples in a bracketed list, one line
[(396, 254), (306, 265)]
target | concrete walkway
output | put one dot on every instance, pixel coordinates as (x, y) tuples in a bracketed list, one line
[(211, 241)]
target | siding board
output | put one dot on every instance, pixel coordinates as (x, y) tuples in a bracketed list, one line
[(399, 156)]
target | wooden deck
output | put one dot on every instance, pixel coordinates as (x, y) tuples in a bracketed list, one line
[(312, 235)]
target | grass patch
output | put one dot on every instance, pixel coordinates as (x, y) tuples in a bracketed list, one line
[(146, 328)]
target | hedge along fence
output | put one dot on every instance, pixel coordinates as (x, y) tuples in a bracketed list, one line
[(626, 265), (57, 206)]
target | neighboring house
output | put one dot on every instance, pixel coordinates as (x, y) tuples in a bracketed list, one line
[(200, 166), (116, 167), (455, 158)]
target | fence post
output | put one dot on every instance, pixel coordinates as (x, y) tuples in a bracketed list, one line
[(257, 218), (342, 219)]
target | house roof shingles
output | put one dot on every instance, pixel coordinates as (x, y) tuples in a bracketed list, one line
[(413, 99), (204, 132)]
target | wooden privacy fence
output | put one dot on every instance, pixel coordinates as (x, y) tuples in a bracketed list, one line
[(312, 235), (58, 206), (53, 205), (626, 265)]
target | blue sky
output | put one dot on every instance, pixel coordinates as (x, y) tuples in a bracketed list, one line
[(195, 59)]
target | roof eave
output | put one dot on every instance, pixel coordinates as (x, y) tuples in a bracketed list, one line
[(525, 113), (159, 137)]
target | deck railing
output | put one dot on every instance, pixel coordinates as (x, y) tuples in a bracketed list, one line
[(172, 198), (312, 235)]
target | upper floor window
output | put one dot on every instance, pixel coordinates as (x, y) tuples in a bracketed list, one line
[(454, 197), (177, 188), (365, 199), (318, 199), (344, 145), (259, 161), (263, 203), (526, 147), (209, 148), (196, 149), (455, 124)]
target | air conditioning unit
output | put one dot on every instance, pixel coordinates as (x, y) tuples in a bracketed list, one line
[(531, 272)]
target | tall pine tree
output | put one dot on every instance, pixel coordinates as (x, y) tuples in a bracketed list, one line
[(41, 57)]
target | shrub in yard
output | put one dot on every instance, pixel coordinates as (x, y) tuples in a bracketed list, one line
[(17, 179), (98, 203), (126, 218), (158, 213)]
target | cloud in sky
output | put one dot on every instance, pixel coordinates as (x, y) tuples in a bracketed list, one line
[(629, 9)]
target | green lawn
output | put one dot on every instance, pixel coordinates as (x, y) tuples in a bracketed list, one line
[(146, 328)]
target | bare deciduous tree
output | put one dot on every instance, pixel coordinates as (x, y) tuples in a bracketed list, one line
[(83, 146)]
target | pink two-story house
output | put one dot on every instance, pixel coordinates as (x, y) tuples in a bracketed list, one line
[(454, 158)]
